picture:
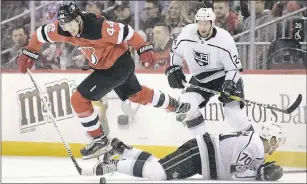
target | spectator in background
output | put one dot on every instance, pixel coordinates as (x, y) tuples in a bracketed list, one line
[(162, 45), (124, 14), (20, 37), (97, 7), (176, 17), (262, 16), (152, 16), (194, 7), (71, 57), (94, 7), (265, 34), (49, 57), (244, 9), (281, 8), (108, 12), (49, 14), (224, 17)]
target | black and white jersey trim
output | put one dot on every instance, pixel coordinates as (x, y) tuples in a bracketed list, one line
[(225, 51), (184, 40), (42, 34), (206, 74)]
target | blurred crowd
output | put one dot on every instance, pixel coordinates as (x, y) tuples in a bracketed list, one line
[(160, 22)]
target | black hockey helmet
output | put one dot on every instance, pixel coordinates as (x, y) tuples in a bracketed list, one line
[(68, 12)]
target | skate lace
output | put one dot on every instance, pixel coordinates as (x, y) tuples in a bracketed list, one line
[(90, 145), (182, 108)]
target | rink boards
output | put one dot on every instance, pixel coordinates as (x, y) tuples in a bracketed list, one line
[(25, 130)]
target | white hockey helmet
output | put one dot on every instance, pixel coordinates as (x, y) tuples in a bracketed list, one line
[(205, 14), (271, 129)]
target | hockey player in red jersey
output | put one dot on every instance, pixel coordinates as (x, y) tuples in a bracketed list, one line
[(105, 45)]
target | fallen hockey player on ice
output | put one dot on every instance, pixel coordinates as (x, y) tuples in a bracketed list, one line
[(232, 156)]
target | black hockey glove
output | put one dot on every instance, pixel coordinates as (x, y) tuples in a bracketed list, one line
[(228, 89), (175, 76), (269, 171)]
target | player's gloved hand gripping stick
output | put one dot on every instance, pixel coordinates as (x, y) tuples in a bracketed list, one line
[(286, 111), (46, 111)]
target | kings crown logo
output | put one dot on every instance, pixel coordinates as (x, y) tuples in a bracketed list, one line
[(201, 58)]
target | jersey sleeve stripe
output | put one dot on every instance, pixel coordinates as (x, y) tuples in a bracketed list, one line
[(120, 37), (125, 33), (129, 32), (225, 51), (40, 35), (44, 34)]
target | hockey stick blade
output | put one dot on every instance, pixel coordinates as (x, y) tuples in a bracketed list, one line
[(290, 109), (86, 172), (295, 104)]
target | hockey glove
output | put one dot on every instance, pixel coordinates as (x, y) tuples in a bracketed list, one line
[(146, 55), (228, 89), (175, 76), (26, 60), (269, 171)]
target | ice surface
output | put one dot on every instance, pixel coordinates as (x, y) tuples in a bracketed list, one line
[(62, 170)]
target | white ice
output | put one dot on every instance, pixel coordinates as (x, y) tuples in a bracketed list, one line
[(62, 170)]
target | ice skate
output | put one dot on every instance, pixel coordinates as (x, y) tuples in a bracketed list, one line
[(182, 108), (118, 148), (98, 146), (181, 111)]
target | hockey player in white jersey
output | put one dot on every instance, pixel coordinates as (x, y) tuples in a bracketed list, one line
[(233, 156), (212, 58)]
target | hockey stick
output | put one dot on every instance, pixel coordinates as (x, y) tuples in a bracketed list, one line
[(44, 99), (295, 171), (286, 111)]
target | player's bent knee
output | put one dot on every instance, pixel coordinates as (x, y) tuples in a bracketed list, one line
[(154, 171), (231, 108), (81, 106), (194, 99), (142, 97)]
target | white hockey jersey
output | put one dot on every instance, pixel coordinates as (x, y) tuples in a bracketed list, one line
[(234, 156), (207, 59)]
